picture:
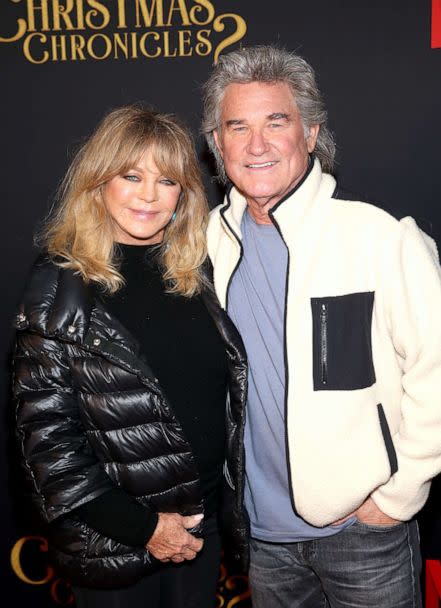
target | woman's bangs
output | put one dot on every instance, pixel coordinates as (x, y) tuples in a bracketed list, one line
[(128, 156), (169, 160)]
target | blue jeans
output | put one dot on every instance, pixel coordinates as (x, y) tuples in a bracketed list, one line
[(363, 566)]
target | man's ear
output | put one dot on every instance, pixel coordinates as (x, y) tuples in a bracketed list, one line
[(218, 142), (311, 140)]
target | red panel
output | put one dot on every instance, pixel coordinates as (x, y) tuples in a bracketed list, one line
[(433, 583), (436, 24)]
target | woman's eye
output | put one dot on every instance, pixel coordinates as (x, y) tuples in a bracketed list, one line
[(131, 178), (167, 181)]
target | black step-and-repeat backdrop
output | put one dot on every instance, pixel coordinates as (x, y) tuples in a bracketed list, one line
[(65, 62)]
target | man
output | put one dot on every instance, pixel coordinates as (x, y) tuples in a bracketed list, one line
[(338, 305)]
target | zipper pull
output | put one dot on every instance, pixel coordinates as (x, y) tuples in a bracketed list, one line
[(324, 343)]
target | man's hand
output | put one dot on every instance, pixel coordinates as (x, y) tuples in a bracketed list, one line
[(369, 513), (171, 541)]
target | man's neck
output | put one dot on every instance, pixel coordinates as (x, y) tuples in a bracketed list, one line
[(259, 212), (259, 208)]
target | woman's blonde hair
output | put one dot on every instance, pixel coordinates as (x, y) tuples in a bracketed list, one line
[(79, 232)]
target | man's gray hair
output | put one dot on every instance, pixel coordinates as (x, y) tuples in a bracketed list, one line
[(268, 64)]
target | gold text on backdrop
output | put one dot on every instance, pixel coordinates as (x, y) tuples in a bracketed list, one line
[(122, 29), (23, 552)]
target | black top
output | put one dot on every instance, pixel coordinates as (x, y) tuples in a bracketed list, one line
[(185, 351)]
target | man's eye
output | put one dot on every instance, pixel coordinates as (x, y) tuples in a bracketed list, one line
[(275, 125), (239, 129)]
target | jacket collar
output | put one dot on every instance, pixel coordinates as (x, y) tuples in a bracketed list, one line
[(303, 204), (58, 304)]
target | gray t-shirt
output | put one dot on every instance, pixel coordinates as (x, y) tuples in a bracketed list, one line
[(256, 303)]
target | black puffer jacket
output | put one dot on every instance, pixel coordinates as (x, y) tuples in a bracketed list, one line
[(91, 414)]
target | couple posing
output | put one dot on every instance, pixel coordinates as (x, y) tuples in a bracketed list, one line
[(145, 429)]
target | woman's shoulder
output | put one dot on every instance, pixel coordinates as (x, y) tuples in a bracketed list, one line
[(42, 281), (44, 271), (52, 294)]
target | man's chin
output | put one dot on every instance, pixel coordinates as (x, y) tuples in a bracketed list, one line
[(262, 198), (263, 193)]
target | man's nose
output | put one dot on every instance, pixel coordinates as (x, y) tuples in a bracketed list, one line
[(257, 144)]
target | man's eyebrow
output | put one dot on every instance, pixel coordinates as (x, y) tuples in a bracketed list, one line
[(278, 116), (234, 121), (274, 116)]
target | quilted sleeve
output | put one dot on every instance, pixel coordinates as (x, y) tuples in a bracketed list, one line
[(61, 469)]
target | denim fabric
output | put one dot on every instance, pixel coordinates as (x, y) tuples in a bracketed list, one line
[(364, 566)]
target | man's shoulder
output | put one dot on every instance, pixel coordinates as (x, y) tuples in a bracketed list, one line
[(214, 220), (215, 212), (358, 208), (382, 223)]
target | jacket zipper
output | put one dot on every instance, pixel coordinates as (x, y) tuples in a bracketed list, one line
[(272, 218), (324, 343), (285, 355)]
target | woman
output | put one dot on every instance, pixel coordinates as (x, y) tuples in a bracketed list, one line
[(122, 367)]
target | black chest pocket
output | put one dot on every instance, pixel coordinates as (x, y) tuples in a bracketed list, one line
[(342, 348)]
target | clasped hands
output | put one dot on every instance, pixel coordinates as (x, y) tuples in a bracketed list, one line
[(171, 540)]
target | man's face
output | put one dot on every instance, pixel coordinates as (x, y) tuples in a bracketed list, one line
[(262, 141)]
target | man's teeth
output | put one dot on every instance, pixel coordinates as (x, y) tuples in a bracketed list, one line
[(258, 165)]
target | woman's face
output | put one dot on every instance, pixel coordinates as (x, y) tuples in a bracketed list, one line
[(141, 203)]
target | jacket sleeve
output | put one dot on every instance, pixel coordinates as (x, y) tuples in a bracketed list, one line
[(414, 313), (119, 516), (61, 469)]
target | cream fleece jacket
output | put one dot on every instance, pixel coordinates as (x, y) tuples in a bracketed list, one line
[(346, 435)]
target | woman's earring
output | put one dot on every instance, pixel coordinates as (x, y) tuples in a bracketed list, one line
[(173, 217)]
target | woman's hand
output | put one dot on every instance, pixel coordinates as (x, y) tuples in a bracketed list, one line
[(171, 541)]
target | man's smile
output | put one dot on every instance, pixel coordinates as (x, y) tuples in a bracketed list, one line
[(265, 165)]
